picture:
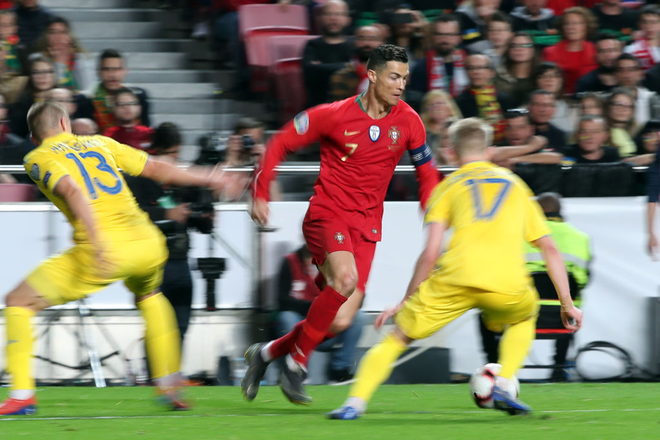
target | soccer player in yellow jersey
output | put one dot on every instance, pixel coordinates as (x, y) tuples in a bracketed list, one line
[(114, 241), (491, 212)]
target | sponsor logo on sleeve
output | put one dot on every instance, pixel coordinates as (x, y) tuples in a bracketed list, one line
[(34, 173), (46, 178), (301, 123)]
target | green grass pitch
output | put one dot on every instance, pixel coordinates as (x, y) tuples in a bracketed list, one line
[(562, 411)]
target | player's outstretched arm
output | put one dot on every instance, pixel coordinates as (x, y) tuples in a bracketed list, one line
[(571, 316)]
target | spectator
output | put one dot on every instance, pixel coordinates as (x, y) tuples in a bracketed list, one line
[(647, 140), (32, 20), (64, 97), (74, 69), (647, 48), (537, 21), (11, 85), (514, 76), (541, 110), (296, 290), (352, 79), (615, 18), (127, 116), (549, 77), (246, 146), (443, 153), (437, 108), (325, 55), (519, 132), (14, 53), (42, 79), (652, 79), (84, 127), (409, 33), (602, 79), (629, 73), (11, 151), (620, 110), (444, 65), (481, 99), (574, 54), (474, 16), (499, 35), (591, 148), (591, 104), (112, 71)]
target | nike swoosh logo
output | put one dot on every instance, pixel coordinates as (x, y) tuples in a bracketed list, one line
[(350, 133)]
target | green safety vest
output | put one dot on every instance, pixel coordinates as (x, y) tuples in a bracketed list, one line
[(575, 250)]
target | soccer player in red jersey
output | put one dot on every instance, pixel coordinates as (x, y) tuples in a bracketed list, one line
[(362, 139)]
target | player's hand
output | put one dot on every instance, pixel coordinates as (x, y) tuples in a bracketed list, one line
[(260, 211), (652, 247), (387, 314), (179, 213), (231, 185), (571, 317)]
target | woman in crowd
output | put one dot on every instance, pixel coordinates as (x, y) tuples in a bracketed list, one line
[(574, 54), (413, 35), (437, 107), (549, 77), (514, 75), (74, 67), (647, 140), (620, 113), (591, 104), (42, 79)]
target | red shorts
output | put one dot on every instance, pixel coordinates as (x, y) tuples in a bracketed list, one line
[(325, 236)]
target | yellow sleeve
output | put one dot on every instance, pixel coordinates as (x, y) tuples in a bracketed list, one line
[(439, 204), (44, 169), (535, 223), (129, 159)]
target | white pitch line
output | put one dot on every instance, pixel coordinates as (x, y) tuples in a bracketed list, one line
[(563, 411)]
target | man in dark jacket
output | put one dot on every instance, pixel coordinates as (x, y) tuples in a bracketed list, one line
[(32, 20), (537, 21)]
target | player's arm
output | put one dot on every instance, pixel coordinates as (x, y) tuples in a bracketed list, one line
[(557, 272), (307, 127), (421, 156)]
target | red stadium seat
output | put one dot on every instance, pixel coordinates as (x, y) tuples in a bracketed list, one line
[(257, 25), (290, 88), (17, 192), (287, 47)]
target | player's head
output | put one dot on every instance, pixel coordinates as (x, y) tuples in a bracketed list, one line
[(47, 118), (387, 70), (550, 203), (127, 106), (166, 140), (471, 139)]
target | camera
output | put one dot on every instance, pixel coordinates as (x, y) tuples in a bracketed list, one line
[(214, 149), (201, 217)]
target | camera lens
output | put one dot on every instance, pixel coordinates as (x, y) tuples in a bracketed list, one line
[(248, 142)]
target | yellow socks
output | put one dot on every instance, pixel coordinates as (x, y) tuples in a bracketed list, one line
[(376, 367), (161, 336), (514, 346), (19, 347)]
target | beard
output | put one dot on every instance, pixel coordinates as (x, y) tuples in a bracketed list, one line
[(606, 70), (443, 51), (362, 54), (331, 33)]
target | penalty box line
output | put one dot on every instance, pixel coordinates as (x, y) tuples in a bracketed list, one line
[(64, 418)]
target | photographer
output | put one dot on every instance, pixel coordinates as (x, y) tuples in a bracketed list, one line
[(174, 204)]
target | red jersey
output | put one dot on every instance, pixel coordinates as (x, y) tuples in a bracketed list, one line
[(358, 157), (573, 64), (137, 137)]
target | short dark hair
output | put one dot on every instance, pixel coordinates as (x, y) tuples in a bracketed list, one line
[(602, 36), (539, 92), (515, 113), (649, 9), (628, 57), (125, 91), (447, 18), (593, 118), (165, 137), (248, 124), (385, 53), (109, 53), (502, 18), (550, 202), (61, 20)]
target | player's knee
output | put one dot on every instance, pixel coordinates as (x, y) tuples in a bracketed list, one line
[(345, 282)]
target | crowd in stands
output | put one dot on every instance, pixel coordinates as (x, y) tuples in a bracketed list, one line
[(585, 75)]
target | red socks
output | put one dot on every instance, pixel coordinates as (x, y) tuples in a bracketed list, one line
[(315, 327), (283, 346)]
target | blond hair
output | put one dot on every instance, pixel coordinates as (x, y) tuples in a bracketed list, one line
[(430, 96), (44, 116), (470, 136)]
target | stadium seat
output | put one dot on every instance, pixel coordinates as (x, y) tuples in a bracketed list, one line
[(17, 192), (290, 88), (287, 47)]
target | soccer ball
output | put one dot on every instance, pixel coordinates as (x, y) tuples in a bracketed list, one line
[(482, 383)]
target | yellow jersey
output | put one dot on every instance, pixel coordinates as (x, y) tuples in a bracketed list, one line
[(491, 211), (93, 163)]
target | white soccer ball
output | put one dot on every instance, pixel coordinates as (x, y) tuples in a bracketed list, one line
[(482, 383)]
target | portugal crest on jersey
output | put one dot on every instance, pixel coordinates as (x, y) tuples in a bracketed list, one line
[(394, 134), (339, 237), (374, 133)]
